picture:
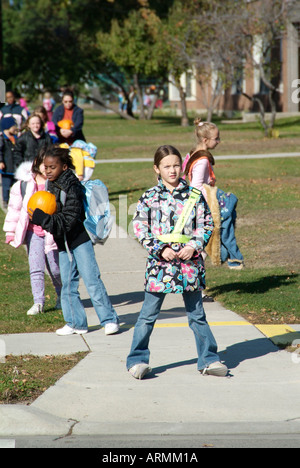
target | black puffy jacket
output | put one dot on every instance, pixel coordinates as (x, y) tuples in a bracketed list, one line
[(68, 217), (27, 146)]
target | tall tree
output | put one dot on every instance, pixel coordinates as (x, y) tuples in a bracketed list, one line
[(133, 45)]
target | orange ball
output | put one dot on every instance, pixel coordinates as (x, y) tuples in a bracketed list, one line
[(43, 200)]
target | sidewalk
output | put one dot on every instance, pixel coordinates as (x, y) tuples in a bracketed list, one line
[(99, 397)]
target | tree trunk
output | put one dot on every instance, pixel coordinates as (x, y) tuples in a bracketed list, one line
[(261, 112), (140, 95), (182, 95), (184, 116)]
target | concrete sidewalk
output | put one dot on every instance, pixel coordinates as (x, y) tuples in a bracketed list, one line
[(99, 397)]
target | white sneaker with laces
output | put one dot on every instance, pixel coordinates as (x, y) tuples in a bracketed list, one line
[(111, 328), (140, 370), (216, 368), (36, 309), (67, 330)]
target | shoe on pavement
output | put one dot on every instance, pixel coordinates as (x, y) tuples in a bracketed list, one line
[(140, 370), (36, 309), (111, 328), (67, 330), (216, 368)]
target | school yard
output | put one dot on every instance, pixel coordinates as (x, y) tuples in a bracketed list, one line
[(268, 289)]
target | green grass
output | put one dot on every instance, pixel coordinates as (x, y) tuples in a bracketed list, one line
[(16, 297), (25, 378)]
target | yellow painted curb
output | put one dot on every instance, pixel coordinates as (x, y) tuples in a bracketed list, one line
[(280, 335), (240, 323)]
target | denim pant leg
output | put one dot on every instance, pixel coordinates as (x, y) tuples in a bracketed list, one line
[(72, 307), (140, 352), (90, 273), (7, 182), (229, 247), (205, 341)]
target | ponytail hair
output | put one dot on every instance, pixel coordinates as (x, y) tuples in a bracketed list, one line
[(203, 129)]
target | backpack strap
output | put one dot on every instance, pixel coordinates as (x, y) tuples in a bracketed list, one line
[(23, 186), (176, 235)]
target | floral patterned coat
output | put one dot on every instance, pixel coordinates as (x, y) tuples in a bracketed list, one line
[(156, 214)]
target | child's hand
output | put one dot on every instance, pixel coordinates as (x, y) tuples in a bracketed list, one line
[(186, 253), (9, 239), (168, 254)]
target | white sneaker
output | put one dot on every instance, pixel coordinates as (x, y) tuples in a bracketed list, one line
[(36, 309), (140, 370), (67, 330), (216, 368), (111, 328)]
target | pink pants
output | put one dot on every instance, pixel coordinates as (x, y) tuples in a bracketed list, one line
[(38, 260)]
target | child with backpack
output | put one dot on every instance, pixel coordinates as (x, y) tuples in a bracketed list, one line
[(76, 252), (174, 242), (42, 250)]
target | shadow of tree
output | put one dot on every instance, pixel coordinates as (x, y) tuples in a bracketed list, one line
[(259, 286)]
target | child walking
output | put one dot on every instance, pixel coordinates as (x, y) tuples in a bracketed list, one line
[(9, 130), (30, 143), (42, 250), (198, 166), (175, 263), (69, 232)]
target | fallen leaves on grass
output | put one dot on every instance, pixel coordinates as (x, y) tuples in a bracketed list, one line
[(25, 378)]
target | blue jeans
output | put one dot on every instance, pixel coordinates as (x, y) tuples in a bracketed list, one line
[(205, 341), (83, 264), (229, 247)]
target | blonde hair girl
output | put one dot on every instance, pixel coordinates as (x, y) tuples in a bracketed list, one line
[(198, 163)]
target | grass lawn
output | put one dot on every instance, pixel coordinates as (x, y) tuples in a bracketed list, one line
[(24, 378)]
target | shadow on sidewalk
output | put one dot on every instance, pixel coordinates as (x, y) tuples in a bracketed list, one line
[(232, 356)]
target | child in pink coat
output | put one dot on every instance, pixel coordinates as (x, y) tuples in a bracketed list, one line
[(42, 250)]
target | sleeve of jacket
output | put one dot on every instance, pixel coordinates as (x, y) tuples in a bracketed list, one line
[(19, 150), (57, 116), (1, 148), (14, 208), (142, 230), (67, 215), (77, 119)]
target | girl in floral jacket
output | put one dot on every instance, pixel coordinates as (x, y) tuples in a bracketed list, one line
[(172, 267)]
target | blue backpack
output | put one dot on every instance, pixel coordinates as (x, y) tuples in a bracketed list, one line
[(98, 219)]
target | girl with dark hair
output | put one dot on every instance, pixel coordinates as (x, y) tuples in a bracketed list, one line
[(69, 232)]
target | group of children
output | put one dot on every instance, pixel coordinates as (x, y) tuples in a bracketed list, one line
[(173, 223)]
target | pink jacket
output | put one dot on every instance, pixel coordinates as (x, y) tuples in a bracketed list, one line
[(17, 219)]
